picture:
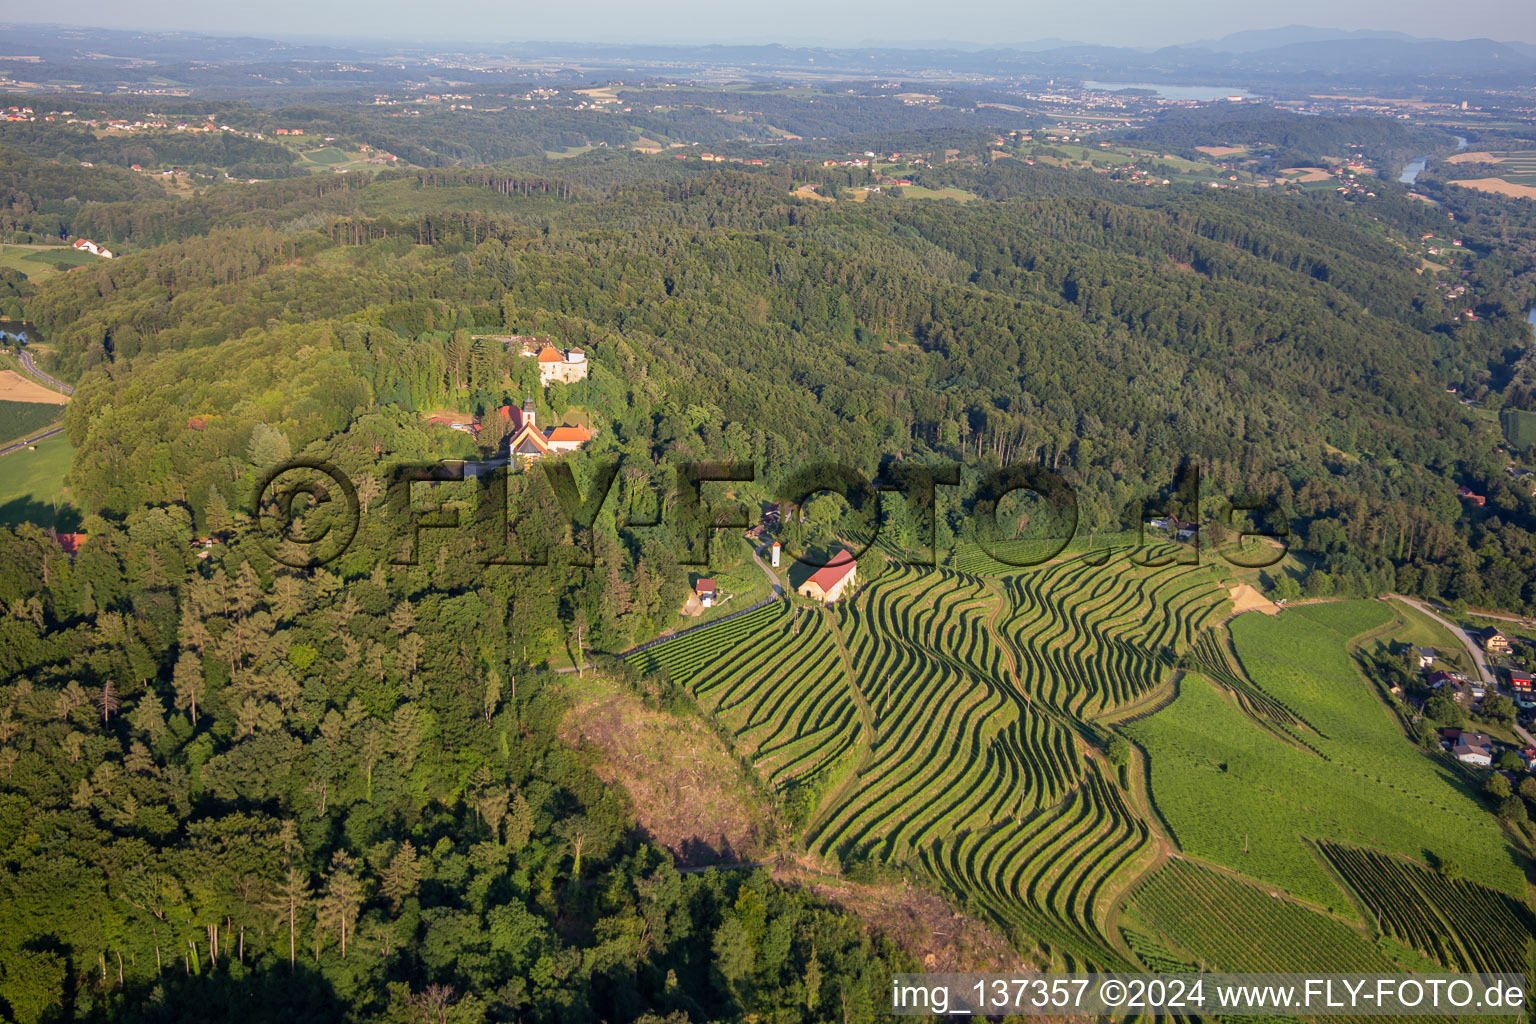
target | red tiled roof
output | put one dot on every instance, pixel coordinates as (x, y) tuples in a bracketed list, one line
[(576, 434), (828, 576), (70, 542), (703, 587), (549, 354)]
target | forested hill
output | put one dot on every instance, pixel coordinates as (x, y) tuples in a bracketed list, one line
[(234, 788), (1288, 344)]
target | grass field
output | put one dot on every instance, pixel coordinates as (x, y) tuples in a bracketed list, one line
[(32, 482), (919, 192), (1250, 798), (37, 261)]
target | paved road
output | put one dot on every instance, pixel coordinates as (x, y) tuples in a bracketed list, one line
[(773, 580), (19, 445), (31, 367), (1472, 649), (1477, 655)]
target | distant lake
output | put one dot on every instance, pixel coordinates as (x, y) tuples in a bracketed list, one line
[(1174, 92)]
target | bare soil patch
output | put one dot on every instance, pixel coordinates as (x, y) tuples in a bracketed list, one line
[(1304, 174), (1247, 599), (924, 924), (1474, 158), (16, 388), (688, 793)]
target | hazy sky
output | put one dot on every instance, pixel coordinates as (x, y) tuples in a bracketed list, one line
[(1117, 22)]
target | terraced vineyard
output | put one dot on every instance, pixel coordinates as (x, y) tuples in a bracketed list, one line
[(1225, 924), (1463, 925), (1053, 877), (954, 748), (955, 723), (1092, 640)]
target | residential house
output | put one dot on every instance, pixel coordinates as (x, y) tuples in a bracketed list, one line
[(1442, 678), (1520, 683), (70, 543), (1493, 641), (86, 245), (1467, 494), (1426, 656), (1474, 748), (705, 591), (833, 580)]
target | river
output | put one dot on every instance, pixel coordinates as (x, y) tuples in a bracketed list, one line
[(1410, 173)]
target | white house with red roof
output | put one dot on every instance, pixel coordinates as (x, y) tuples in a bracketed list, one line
[(568, 367)]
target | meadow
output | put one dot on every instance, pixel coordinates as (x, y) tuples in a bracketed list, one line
[(32, 485), (37, 261), (1251, 797)]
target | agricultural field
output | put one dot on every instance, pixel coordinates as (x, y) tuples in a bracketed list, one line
[(920, 192), (1459, 924), (954, 721), (335, 158), (942, 720), (19, 420), (1227, 924), (1246, 792)]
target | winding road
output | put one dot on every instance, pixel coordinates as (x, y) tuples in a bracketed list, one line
[(31, 367), (1481, 662)]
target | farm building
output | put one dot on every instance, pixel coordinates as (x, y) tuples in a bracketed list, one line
[(705, 591), (831, 581)]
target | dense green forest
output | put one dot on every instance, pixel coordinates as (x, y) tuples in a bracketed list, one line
[(230, 788)]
